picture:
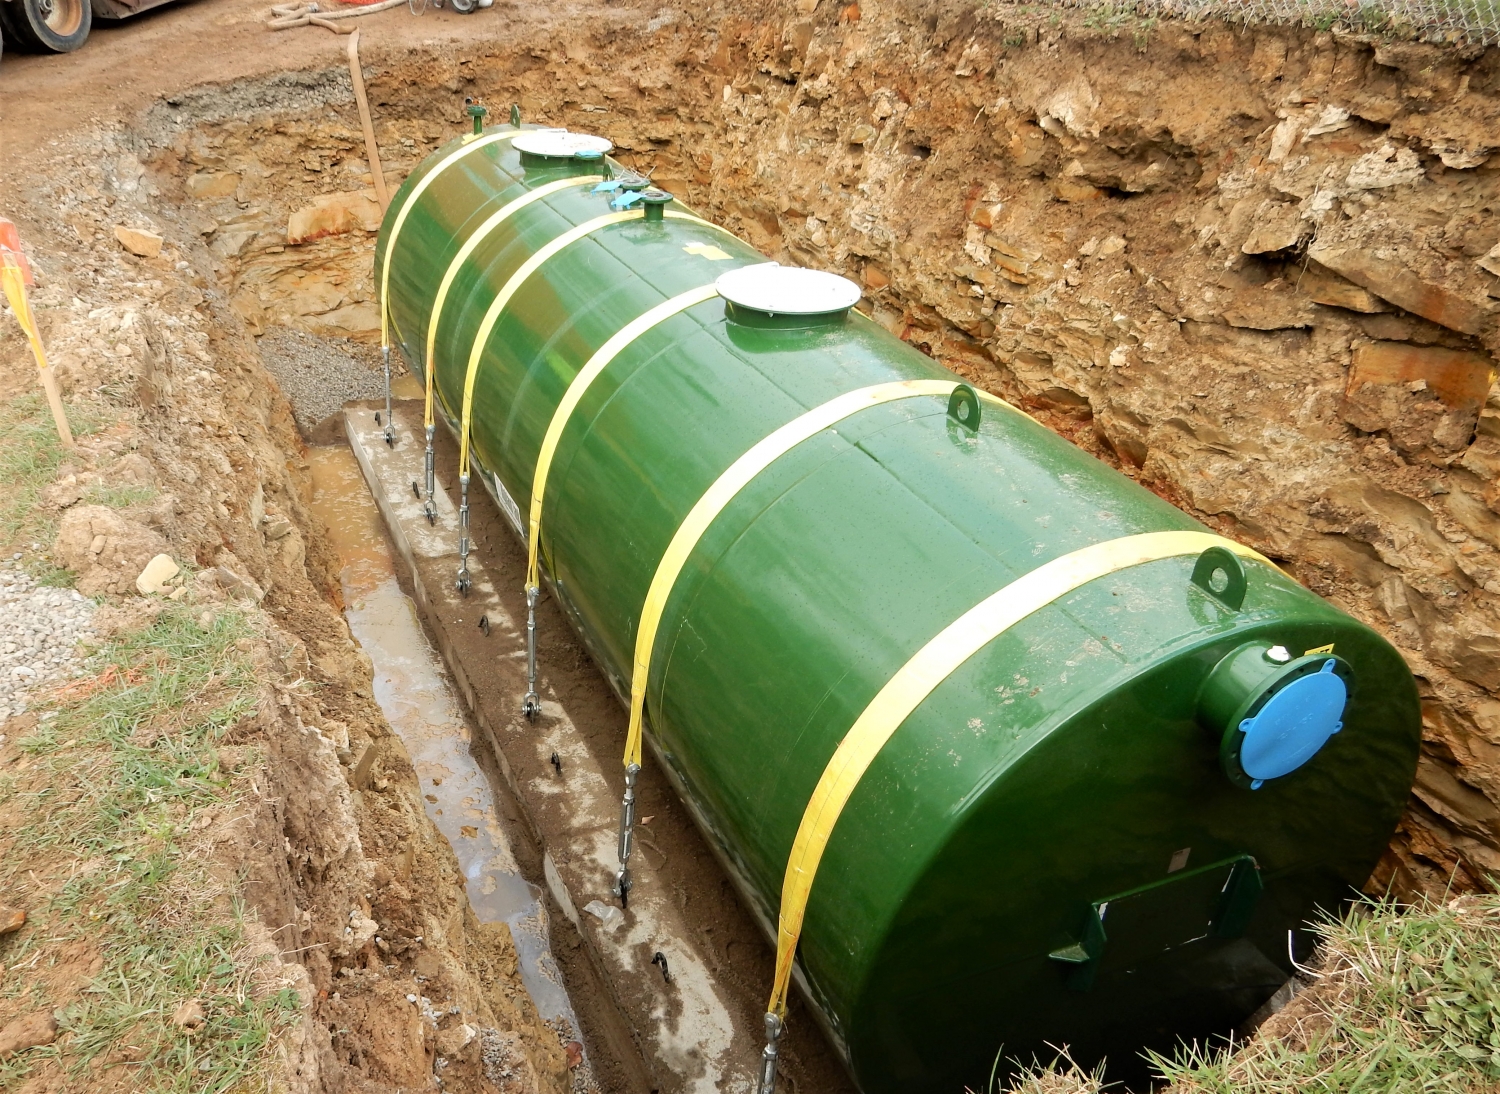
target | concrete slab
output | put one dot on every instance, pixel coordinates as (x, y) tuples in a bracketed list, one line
[(699, 1031)]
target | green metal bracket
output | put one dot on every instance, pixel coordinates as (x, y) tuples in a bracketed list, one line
[(1214, 901), (1220, 573), (1084, 954), (963, 407), (1240, 895)]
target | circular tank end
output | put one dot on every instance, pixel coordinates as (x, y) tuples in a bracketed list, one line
[(559, 144), (769, 294)]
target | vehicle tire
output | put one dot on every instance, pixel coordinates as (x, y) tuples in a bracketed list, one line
[(463, 7), (47, 26)]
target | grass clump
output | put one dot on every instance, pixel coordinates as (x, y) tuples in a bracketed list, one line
[(1408, 1000), (119, 496), (30, 453), (110, 784)]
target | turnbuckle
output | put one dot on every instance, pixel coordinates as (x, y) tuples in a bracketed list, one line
[(531, 706), (463, 584), (390, 426), (621, 887), (769, 1055), (430, 508)]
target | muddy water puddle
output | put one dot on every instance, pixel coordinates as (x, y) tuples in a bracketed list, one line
[(418, 700)]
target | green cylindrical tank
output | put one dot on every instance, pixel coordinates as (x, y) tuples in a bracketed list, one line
[(1107, 828)]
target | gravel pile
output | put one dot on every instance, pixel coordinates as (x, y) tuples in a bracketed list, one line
[(317, 375), (40, 628)]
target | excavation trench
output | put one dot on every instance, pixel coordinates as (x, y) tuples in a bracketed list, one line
[(420, 704), (1163, 244)]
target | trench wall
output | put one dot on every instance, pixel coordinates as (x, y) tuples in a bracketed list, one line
[(1255, 268)]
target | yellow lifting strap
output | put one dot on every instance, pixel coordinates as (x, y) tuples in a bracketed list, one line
[(470, 145), (574, 395), (739, 475), (480, 234), (917, 679), (517, 279)]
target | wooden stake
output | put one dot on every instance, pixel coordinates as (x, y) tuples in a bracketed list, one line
[(372, 150), (13, 278)]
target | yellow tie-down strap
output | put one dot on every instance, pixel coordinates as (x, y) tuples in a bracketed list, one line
[(739, 475), (473, 145), (517, 279), (574, 395), (917, 679), (480, 234)]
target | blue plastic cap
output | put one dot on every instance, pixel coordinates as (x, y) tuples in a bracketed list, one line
[(1293, 725)]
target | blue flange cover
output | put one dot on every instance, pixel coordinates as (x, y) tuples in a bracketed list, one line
[(1293, 725)]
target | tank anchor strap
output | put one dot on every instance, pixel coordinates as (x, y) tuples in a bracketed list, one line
[(724, 490), (621, 887), (434, 320), (914, 681), (411, 201), (531, 706), (429, 507), (585, 376), (770, 1055), (463, 584)]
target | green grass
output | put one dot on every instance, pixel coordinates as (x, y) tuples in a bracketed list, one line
[(119, 497), (117, 777), (30, 453), (1408, 1002)]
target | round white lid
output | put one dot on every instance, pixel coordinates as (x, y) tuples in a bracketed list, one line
[(559, 143), (787, 290)]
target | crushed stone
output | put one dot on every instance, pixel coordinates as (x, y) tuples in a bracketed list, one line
[(41, 629), (318, 375)]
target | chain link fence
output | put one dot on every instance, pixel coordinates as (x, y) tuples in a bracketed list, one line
[(1449, 22)]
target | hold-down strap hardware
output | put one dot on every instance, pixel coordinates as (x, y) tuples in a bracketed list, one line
[(477, 237), (708, 507), (471, 144), (921, 675)]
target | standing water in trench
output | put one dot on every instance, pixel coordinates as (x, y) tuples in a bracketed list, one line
[(420, 705)]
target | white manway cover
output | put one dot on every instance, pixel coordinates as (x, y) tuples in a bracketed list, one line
[(559, 143), (787, 290)]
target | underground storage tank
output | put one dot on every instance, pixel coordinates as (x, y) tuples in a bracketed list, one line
[(1003, 751)]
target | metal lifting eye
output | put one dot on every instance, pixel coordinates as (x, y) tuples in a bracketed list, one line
[(963, 406), (1221, 574)]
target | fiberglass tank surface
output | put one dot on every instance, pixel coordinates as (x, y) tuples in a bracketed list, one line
[(1059, 843)]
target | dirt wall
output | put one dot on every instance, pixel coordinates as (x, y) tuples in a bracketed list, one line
[(1250, 267), (1254, 268), (357, 901)]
